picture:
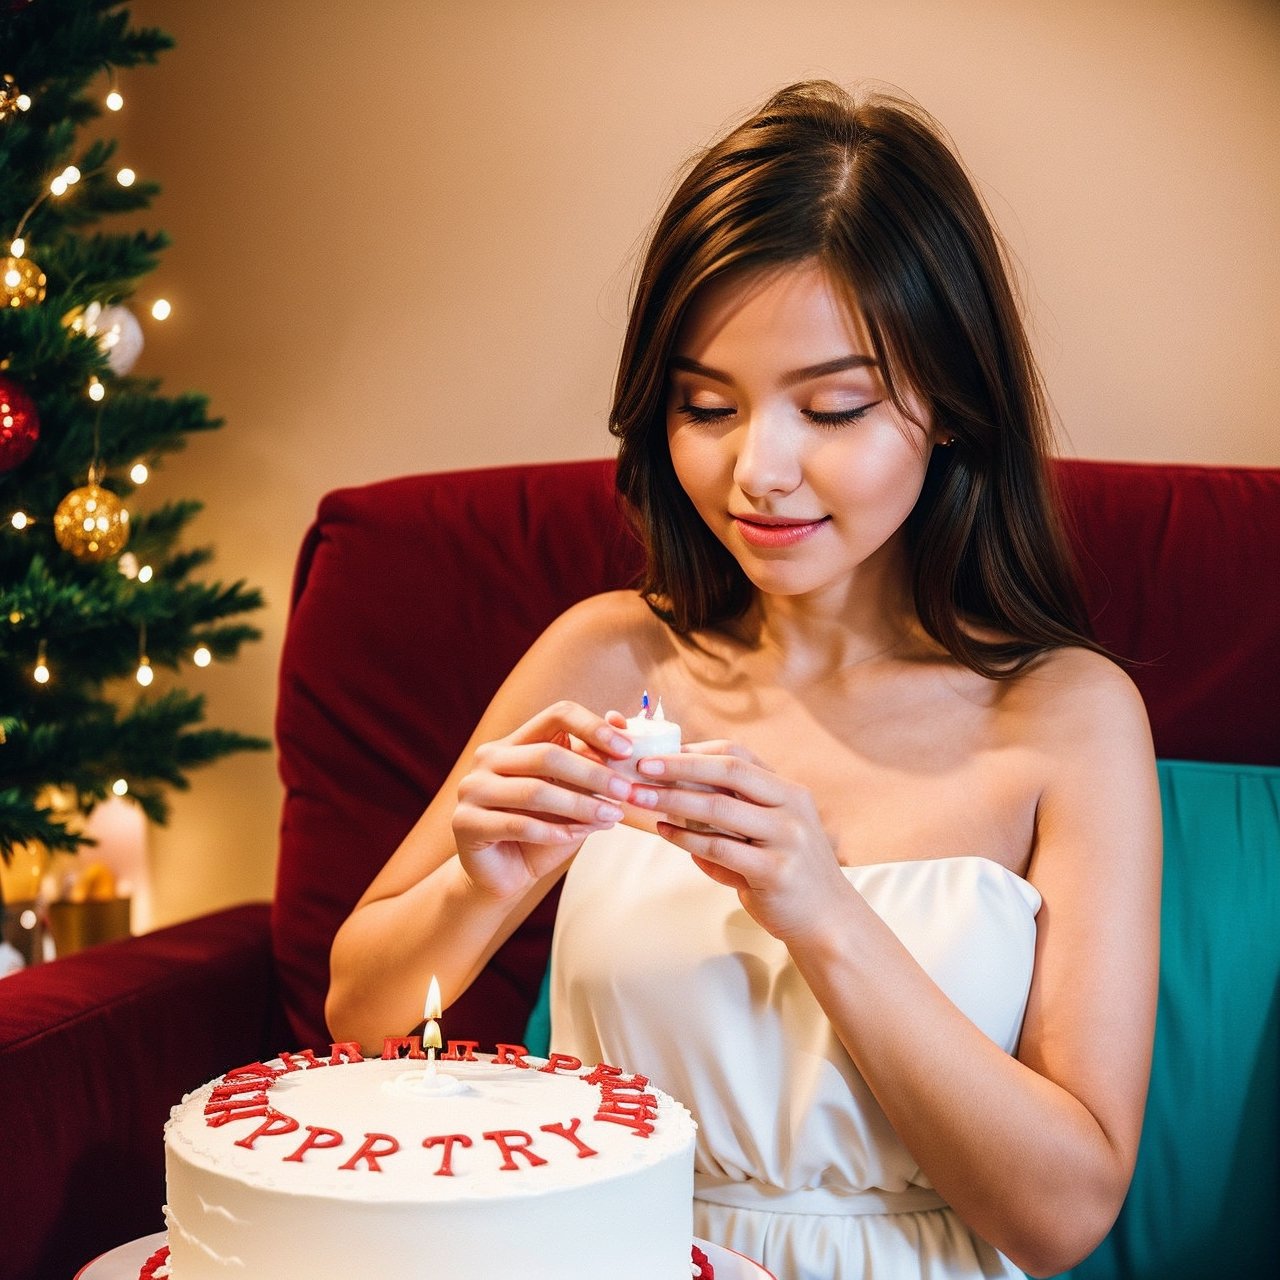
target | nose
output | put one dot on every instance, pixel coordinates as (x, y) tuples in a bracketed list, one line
[(768, 458)]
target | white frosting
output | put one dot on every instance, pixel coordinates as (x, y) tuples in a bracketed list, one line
[(624, 1212)]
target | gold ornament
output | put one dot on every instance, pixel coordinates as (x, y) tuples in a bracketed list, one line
[(12, 99), (22, 283), (91, 523)]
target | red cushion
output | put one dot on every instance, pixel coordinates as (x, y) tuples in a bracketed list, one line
[(415, 596), (1182, 574)]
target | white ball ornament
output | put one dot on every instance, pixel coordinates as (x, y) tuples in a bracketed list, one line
[(120, 337)]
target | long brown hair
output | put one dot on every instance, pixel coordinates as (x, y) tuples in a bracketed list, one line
[(870, 190)]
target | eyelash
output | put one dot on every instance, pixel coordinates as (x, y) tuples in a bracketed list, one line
[(830, 420)]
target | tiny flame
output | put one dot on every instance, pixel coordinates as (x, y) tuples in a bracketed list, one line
[(432, 1008)]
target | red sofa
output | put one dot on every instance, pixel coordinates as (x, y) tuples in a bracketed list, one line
[(412, 599)]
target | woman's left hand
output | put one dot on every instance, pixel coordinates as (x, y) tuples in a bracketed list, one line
[(767, 840)]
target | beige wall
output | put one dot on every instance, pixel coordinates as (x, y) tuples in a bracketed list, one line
[(404, 233)]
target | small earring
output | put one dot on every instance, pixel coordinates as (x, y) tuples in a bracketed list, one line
[(947, 441)]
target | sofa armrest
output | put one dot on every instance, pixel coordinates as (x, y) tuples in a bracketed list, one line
[(94, 1050)]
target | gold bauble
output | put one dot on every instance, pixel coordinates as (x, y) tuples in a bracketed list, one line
[(91, 523), (21, 282), (10, 97)]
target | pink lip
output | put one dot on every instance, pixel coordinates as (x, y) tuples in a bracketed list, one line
[(770, 531)]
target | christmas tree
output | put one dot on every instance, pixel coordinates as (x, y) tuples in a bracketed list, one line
[(95, 591)]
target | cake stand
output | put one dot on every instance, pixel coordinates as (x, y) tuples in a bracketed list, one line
[(127, 1261)]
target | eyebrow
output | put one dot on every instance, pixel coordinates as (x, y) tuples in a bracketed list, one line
[(807, 374)]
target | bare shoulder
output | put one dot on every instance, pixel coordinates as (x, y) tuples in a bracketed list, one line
[(594, 653), (1073, 700)]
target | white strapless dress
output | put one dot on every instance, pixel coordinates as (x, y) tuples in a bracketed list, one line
[(657, 968)]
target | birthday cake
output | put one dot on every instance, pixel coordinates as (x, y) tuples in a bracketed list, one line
[(336, 1165)]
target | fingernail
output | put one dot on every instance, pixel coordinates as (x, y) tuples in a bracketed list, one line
[(608, 812), (619, 787), (644, 797), (654, 768)]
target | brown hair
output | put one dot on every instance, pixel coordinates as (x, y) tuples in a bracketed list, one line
[(871, 191)]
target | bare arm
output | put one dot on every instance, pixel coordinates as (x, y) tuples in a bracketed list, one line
[(1034, 1152)]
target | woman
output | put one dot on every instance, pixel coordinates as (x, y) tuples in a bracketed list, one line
[(889, 925)]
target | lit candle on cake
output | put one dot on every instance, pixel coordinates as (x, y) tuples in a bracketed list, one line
[(652, 733), (431, 1027)]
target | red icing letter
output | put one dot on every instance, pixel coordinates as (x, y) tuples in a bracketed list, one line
[(570, 1131), (511, 1055), (224, 1103), (562, 1062), (402, 1047), (370, 1152), (514, 1142), (313, 1141), (345, 1051), (275, 1125), (308, 1057), (468, 1053), (447, 1141)]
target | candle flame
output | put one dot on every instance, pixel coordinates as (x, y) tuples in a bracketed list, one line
[(431, 1035), (432, 1008)]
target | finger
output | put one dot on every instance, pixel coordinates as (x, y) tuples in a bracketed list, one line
[(577, 720), (535, 795), (477, 828), (561, 764), (733, 857), (733, 773), (742, 819)]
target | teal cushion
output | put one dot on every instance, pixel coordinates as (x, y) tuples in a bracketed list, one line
[(1205, 1199), (537, 1031)]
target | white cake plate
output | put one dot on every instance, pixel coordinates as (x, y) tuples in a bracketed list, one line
[(126, 1261)]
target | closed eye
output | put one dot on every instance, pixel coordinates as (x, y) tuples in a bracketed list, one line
[(703, 413), (838, 417)]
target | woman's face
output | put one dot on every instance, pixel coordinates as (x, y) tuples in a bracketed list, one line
[(783, 435)]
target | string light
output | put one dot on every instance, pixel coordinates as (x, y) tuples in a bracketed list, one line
[(202, 657), (146, 573), (96, 389), (138, 473), (126, 177), (41, 673), (114, 100), (18, 248), (161, 309), (19, 519), (145, 675), (120, 787)]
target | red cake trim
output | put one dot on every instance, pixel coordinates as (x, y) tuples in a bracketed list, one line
[(154, 1263), (705, 1270)]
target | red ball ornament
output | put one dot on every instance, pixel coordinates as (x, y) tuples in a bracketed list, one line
[(19, 424)]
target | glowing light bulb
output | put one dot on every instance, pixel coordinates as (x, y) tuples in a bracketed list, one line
[(18, 247), (114, 101), (145, 674), (24, 102), (126, 177), (161, 309), (202, 657), (59, 186), (41, 673), (20, 520), (71, 175), (146, 573), (120, 787), (96, 389), (138, 473)]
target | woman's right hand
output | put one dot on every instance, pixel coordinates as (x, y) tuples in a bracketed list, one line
[(530, 799)]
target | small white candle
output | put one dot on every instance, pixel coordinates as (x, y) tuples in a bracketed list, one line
[(652, 733)]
